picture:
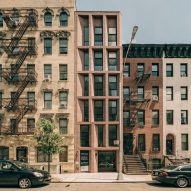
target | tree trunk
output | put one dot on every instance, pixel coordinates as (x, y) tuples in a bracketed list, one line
[(49, 163)]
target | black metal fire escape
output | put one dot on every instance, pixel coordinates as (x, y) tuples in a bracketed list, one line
[(18, 48)]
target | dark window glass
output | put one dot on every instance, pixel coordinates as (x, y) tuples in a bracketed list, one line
[(31, 98), (47, 46), (63, 18), (42, 157), (126, 93), (155, 69), (47, 71), (184, 142), (98, 36), (86, 110), (63, 155), (140, 69), (63, 45), (98, 61), (1, 20), (1, 72), (126, 118), (156, 142), (48, 19), (184, 117), (86, 85), (86, 36), (98, 110), (126, 70), (141, 142), (113, 89), (84, 136), (4, 153), (112, 134), (63, 71), (112, 36), (30, 125), (112, 61), (169, 93), (63, 125), (13, 126), (140, 93), (113, 114), (1, 99), (155, 93), (98, 86), (183, 70), (169, 70), (184, 93), (48, 100), (86, 61), (141, 117), (63, 99), (155, 117), (100, 132), (169, 117)]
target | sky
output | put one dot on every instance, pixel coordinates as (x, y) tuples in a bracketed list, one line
[(159, 21)]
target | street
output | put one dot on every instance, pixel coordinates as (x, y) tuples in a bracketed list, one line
[(99, 187)]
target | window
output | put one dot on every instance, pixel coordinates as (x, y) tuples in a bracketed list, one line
[(155, 117), (113, 115), (63, 68), (63, 45), (126, 70), (113, 89), (169, 117), (98, 36), (156, 142), (126, 118), (86, 36), (1, 99), (169, 93), (41, 156), (112, 37), (184, 142), (140, 93), (48, 100), (1, 20), (141, 117), (169, 70), (30, 68), (140, 69), (4, 153), (126, 94), (47, 71), (112, 61), (13, 126), (112, 134), (86, 61), (98, 110), (98, 61), (63, 98), (86, 85), (98, 86), (183, 70), (84, 136), (63, 125), (100, 132), (48, 19), (1, 72), (155, 69), (47, 46), (86, 110), (184, 117), (184, 93), (141, 142), (155, 93), (30, 125), (63, 18), (63, 155)]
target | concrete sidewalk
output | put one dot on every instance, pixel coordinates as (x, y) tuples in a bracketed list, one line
[(98, 177)]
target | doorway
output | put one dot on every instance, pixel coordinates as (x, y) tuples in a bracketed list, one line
[(128, 144), (170, 144)]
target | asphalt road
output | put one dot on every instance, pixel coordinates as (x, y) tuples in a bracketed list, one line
[(99, 187)]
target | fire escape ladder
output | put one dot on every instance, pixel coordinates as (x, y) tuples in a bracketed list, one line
[(133, 118)]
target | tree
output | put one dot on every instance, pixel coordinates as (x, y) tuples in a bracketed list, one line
[(48, 141)]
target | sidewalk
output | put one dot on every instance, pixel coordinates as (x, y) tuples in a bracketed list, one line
[(98, 177)]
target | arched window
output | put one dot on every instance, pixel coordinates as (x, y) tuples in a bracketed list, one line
[(63, 18), (48, 19), (1, 20)]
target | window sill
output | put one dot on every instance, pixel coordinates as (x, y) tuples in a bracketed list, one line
[(63, 80), (63, 54), (47, 54), (63, 107), (155, 126)]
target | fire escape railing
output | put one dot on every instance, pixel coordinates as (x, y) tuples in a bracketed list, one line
[(142, 76)]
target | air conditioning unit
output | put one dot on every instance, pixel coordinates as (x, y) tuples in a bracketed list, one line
[(116, 142), (47, 78), (183, 75), (155, 98), (63, 105)]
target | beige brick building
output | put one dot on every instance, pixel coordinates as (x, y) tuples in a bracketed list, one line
[(37, 78)]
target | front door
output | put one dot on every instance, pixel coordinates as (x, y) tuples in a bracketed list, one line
[(128, 144), (169, 147)]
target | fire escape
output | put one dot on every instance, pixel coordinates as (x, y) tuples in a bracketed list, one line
[(18, 49)]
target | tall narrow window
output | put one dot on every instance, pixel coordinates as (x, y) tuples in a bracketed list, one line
[(183, 70), (126, 94), (30, 125), (48, 19), (126, 118), (63, 45), (63, 98), (98, 110), (86, 61), (155, 93), (98, 36), (47, 71), (86, 85), (41, 156), (156, 142), (63, 19), (48, 100), (1, 99), (113, 89), (169, 93), (63, 125), (98, 61), (98, 86), (155, 69), (141, 142), (47, 45), (86, 36), (184, 117), (63, 155), (112, 61), (126, 70), (1, 72), (86, 110), (184, 93), (31, 99), (169, 70), (140, 69), (184, 142), (155, 117), (113, 110), (4, 153), (30, 68), (140, 93), (1, 20), (100, 132), (13, 126), (112, 36), (84, 136), (63, 69), (112, 134), (169, 117), (141, 117)]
